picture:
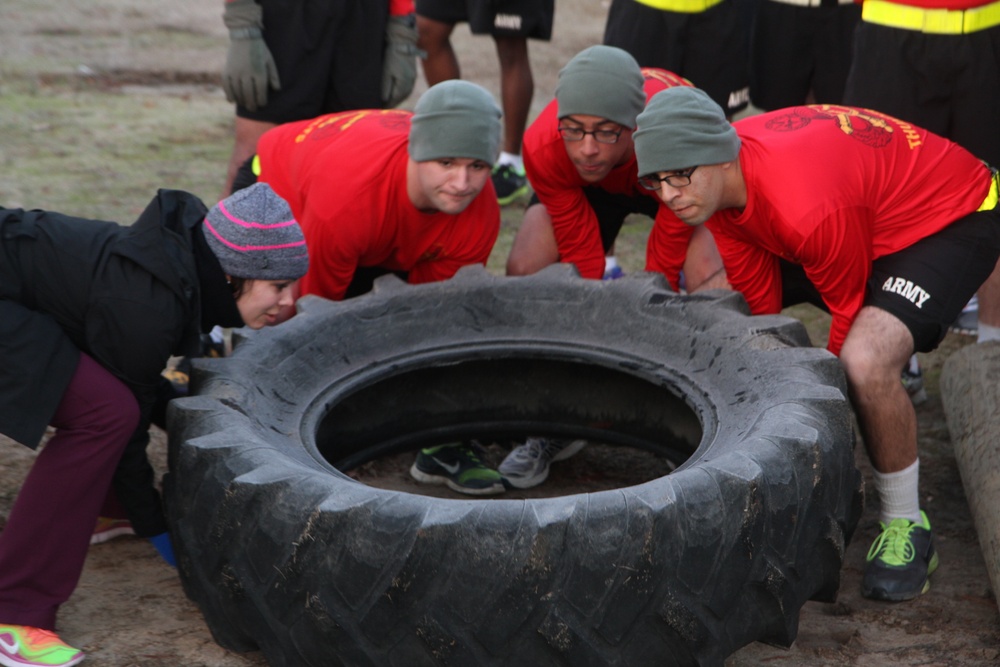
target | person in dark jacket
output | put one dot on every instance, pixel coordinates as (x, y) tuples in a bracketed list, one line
[(90, 312)]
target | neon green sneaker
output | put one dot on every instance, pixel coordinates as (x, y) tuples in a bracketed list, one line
[(900, 561), (459, 467), (25, 646), (509, 182)]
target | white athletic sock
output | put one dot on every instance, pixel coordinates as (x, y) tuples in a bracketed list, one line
[(987, 333), (899, 493), (515, 161)]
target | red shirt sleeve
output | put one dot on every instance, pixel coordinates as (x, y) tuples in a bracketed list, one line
[(667, 246), (837, 258), (751, 270)]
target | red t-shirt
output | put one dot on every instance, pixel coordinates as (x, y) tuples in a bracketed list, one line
[(344, 176), (833, 188), (560, 188)]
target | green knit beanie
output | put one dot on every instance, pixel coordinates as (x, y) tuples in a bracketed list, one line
[(455, 119), (601, 81), (683, 127)]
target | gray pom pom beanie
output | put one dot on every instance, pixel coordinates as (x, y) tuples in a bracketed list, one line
[(601, 81), (457, 119), (254, 235), (683, 127)]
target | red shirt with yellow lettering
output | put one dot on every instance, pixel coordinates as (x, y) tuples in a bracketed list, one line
[(560, 188), (344, 176), (833, 188)]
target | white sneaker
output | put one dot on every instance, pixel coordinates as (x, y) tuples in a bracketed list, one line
[(528, 465)]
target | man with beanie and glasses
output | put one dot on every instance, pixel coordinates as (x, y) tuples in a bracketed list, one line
[(389, 191), (90, 311), (889, 227), (581, 163)]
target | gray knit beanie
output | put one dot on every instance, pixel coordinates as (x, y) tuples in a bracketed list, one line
[(458, 119), (601, 81), (683, 127), (254, 235)]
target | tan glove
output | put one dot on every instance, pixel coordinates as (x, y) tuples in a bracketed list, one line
[(399, 66), (250, 68)]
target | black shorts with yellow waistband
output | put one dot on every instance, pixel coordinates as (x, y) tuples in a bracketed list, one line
[(925, 285), (800, 48), (501, 18), (705, 41), (937, 69)]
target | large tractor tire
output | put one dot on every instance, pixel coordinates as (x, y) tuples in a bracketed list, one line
[(286, 553)]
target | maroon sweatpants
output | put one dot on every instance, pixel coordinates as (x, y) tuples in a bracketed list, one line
[(44, 543)]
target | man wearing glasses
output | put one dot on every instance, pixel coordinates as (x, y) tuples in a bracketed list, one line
[(888, 226), (580, 161), (579, 157)]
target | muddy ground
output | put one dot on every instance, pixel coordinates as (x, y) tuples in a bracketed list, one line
[(101, 102)]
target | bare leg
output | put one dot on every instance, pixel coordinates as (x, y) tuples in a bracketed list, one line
[(876, 349), (703, 266), (516, 89), (247, 132), (441, 63), (989, 299), (534, 246)]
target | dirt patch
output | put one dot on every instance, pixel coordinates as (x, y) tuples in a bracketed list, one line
[(106, 100)]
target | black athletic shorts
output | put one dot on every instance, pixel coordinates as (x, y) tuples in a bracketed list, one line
[(328, 55), (798, 49), (612, 209), (925, 285), (708, 48), (500, 18), (948, 84)]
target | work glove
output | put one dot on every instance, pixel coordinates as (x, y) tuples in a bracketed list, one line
[(399, 66), (250, 68)]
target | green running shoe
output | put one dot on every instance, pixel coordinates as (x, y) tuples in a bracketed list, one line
[(900, 561), (25, 646), (459, 467), (509, 183)]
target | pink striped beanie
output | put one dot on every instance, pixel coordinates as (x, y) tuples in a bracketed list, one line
[(254, 235)]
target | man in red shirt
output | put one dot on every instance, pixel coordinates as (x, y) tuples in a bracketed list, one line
[(889, 227), (380, 191), (579, 158)]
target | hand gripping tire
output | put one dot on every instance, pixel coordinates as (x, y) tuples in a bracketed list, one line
[(284, 553)]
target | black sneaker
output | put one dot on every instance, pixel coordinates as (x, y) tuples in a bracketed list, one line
[(509, 182), (900, 561), (459, 467)]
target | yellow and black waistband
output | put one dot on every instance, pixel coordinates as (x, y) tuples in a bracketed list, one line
[(931, 21), (993, 196)]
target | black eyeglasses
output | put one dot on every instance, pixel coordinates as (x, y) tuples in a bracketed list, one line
[(601, 136), (676, 179)]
